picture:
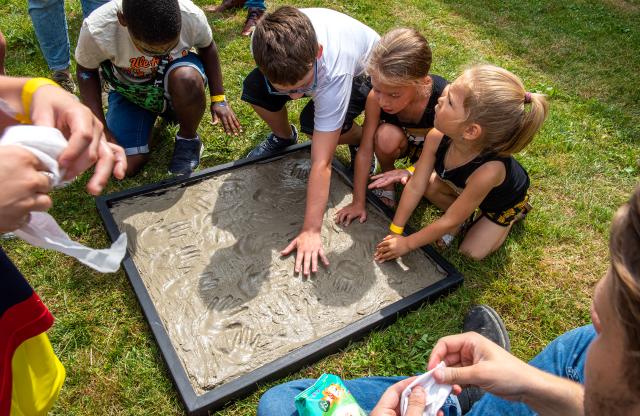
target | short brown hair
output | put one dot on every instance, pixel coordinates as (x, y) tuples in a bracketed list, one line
[(624, 247), (401, 57), (285, 45)]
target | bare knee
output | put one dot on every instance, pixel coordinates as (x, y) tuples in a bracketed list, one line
[(475, 253), (186, 83), (389, 140)]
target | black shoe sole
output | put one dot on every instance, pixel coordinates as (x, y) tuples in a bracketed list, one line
[(502, 336)]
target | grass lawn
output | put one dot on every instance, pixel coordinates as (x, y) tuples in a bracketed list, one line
[(584, 164)]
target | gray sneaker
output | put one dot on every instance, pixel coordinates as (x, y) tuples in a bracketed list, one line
[(273, 144), (64, 79)]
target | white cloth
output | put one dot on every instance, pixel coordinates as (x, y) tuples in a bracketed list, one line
[(346, 45), (436, 393), (103, 38), (46, 143)]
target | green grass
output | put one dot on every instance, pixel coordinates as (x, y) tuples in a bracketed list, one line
[(584, 54)]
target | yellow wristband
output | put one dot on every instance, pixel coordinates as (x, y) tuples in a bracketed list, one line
[(218, 98), (29, 88), (395, 229), (411, 169)]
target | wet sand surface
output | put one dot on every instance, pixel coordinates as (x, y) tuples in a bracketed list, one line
[(209, 256)]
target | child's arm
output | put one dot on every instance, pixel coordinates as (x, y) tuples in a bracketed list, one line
[(219, 110), (91, 95), (479, 184), (357, 208), (308, 243), (417, 185)]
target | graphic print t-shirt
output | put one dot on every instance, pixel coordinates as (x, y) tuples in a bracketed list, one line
[(102, 38)]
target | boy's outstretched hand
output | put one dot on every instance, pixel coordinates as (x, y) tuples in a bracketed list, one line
[(222, 112), (391, 247), (309, 246)]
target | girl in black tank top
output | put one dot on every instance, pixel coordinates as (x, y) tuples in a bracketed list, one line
[(469, 172), (399, 113)]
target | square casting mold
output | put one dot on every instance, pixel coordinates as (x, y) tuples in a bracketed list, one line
[(224, 306)]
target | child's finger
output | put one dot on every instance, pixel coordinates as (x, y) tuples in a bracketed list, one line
[(314, 262), (289, 248), (229, 128), (349, 219), (236, 123), (299, 258), (324, 258), (307, 263)]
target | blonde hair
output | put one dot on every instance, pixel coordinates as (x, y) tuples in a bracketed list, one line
[(624, 247), (401, 57), (497, 101)]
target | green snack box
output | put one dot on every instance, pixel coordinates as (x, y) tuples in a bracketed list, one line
[(328, 396)]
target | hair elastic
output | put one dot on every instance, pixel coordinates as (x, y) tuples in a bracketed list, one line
[(527, 97)]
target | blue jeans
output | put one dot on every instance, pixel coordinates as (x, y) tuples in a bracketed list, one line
[(50, 24), (257, 4), (565, 357), (131, 124)]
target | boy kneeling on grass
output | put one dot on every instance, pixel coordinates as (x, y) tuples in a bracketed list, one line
[(318, 53), (143, 48)]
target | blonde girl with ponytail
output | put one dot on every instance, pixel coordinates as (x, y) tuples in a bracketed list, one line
[(468, 170)]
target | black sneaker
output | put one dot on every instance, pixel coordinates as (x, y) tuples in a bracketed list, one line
[(186, 156), (486, 322), (63, 78), (273, 144)]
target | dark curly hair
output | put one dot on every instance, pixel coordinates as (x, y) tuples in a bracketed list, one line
[(153, 21)]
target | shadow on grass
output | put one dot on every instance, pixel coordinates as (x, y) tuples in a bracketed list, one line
[(591, 47)]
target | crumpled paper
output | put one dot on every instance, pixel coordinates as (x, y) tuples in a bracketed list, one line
[(436, 393), (42, 230)]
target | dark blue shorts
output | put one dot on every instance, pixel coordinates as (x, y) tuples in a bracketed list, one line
[(130, 124), (254, 91)]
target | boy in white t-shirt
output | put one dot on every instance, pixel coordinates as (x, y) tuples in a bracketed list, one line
[(143, 48), (319, 53)]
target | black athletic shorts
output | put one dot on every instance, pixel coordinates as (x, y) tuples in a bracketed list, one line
[(254, 91)]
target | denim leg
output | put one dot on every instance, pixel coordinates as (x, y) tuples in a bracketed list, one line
[(88, 6), (257, 4), (279, 400), (50, 25), (565, 357), (130, 124)]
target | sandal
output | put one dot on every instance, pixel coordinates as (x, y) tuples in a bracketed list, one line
[(388, 197)]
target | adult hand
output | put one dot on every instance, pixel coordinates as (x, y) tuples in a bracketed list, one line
[(224, 113), (349, 213), (391, 247), (389, 403), (390, 177), (309, 246), (24, 187), (52, 106), (475, 360)]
